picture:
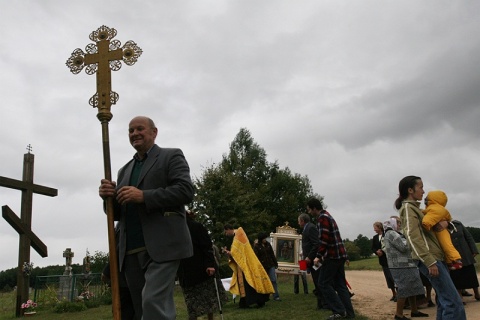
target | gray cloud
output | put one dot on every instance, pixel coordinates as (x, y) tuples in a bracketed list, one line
[(355, 95)]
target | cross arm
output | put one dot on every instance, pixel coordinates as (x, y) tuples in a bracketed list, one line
[(22, 228), (25, 185)]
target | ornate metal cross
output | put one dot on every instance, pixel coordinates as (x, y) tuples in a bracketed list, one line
[(101, 58), (23, 225)]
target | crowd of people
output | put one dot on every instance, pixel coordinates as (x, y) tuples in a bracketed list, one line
[(424, 249), (158, 241)]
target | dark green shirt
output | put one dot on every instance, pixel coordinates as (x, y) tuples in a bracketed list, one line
[(133, 224)]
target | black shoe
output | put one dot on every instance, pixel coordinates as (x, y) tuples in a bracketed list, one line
[(337, 316), (465, 293), (418, 314)]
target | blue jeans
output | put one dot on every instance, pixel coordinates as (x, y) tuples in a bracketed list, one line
[(449, 303), (273, 278), (331, 281)]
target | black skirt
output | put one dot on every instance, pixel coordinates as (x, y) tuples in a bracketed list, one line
[(202, 299), (465, 278)]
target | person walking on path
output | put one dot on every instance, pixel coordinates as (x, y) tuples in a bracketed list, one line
[(377, 249), (332, 255), (426, 250)]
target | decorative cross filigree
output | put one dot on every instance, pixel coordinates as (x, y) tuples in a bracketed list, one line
[(101, 57)]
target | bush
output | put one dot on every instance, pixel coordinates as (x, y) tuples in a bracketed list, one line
[(92, 303), (105, 297), (7, 288), (49, 296), (67, 306)]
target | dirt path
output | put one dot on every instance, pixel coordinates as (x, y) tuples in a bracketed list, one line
[(372, 297)]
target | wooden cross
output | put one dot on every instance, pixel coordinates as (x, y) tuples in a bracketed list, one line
[(101, 58), (23, 225)]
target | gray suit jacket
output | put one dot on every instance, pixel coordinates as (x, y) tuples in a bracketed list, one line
[(310, 241), (167, 188)]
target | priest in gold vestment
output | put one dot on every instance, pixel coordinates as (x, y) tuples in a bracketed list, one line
[(250, 281)]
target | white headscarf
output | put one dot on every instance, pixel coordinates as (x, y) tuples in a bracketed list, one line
[(390, 224)]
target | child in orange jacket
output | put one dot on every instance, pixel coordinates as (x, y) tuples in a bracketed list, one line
[(435, 212)]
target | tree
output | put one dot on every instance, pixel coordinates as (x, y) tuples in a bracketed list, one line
[(475, 233), (353, 251), (246, 190), (365, 246), (98, 261)]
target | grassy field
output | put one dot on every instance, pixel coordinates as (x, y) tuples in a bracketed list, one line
[(292, 306)]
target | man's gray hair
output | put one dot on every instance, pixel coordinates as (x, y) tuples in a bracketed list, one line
[(304, 217)]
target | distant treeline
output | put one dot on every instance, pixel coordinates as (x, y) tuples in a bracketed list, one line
[(359, 248), (475, 233), (8, 278)]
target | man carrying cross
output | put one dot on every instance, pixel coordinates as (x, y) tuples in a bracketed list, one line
[(150, 196)]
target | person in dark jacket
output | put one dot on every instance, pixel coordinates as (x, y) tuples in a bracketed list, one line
[(264, 252), (197, 274), (466, 277)]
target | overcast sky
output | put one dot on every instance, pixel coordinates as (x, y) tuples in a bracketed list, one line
[(353, 94)]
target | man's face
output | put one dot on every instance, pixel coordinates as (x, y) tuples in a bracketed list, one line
[(312, 211), (141, 134), (301, 223), (229, 232)]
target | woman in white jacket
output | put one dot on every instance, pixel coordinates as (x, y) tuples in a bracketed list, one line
[(404, 271)]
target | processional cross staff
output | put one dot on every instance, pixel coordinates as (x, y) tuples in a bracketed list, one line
[(101, 57)]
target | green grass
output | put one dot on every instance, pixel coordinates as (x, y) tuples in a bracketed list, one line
[(292, 306), (365, 264)]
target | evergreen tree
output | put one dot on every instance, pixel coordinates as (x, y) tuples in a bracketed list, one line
[(244, 189), (364, 244)]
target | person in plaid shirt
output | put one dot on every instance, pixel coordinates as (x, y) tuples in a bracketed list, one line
[(331, 256)]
